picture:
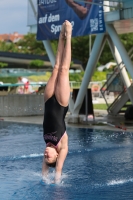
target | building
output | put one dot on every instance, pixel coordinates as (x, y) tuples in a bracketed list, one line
[(15, 37)]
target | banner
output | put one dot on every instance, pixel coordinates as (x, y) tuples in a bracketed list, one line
[(86, 17)]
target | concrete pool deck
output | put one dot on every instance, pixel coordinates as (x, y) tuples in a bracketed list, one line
[(102, 119)]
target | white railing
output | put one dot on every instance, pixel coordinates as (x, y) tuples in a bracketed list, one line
[(97, 84)]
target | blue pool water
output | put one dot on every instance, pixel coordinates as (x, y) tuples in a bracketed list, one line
[(99, 165)]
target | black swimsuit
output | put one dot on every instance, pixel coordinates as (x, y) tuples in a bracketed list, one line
[(54, 125)]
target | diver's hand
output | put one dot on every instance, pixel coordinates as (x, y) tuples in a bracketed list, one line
[(57, 178)]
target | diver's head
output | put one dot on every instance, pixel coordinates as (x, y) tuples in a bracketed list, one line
[(50, 155)]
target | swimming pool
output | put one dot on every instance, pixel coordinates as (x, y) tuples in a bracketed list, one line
[(99, 165)]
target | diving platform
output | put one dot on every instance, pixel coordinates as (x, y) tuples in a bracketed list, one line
[(118, 20)]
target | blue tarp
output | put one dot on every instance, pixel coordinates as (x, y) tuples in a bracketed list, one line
[(86, 17)]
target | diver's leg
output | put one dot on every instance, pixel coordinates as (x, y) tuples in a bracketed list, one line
[(50, 87), (62, 90)]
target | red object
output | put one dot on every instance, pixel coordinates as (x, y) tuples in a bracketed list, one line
[(123, 128), (117, 126), (26, 86)]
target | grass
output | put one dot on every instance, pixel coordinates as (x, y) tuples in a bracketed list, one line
[(100, 106), (41, 78)]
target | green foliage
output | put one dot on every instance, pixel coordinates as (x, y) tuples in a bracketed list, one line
[(43, 78), (76, 76), (127, 40), (106, 55), (80, 49), (100, 106), (33, 46), (9, 47), (3, 64), (36, 63), (99, 76), (71, 64), (30, 45), (8, 79), (54, 45)]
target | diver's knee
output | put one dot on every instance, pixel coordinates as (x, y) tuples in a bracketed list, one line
[(64, 70)]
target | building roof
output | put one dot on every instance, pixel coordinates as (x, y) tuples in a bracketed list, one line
[(15, 37)]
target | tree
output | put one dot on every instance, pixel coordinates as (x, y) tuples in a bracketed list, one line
[(30, 45), (8, 47), (80, 49), (76, 76), (3, 64), (106, 55), (127, 40), (36, 63)]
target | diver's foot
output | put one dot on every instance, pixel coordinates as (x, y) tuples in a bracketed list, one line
[(62, 33), (68, 29)]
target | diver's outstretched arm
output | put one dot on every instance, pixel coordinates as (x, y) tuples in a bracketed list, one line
[(61, 158), (45, 168)]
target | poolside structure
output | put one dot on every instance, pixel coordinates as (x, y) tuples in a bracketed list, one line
[(118, 20), (21, 60)]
